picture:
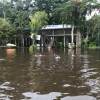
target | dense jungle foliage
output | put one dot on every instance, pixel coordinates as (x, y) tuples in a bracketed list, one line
[(28, 16)]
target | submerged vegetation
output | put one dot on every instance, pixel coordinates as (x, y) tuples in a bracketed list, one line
[(26, 17)]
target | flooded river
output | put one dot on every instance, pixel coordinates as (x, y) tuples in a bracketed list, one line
[(49, 75)]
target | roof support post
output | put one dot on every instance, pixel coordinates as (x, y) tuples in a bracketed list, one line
[(64, 40)]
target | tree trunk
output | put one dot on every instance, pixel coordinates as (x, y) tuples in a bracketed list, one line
[(22, 39), (71, 45), (78, 39)]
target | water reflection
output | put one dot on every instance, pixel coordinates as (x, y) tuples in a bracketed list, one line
[(11, 53), (90, 75), (61, 76), (37, 96), (71, 57), (49, 75), (79, 98)]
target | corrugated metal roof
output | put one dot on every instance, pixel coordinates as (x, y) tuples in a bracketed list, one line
[(57, 26)]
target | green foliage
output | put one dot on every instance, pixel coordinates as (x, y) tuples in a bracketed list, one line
[(94, 29), (16, 14), (74, 11), (48, 6), (95, 24), (5, 28), (38, 20), (92, 45)]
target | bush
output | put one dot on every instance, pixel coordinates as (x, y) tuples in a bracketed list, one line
[(92, 45)]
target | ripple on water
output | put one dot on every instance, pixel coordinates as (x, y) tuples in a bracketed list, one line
[(94, 85), (98, 60), (88, 69), (89, 74), (84, 97), (5, 96), (53, 96), (2, 59), (3, 88), (37, 96), (66, 85)]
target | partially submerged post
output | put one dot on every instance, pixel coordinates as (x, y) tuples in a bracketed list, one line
[(78, 39), (72, 45)]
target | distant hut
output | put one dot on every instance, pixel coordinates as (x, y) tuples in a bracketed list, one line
[(53, 34)]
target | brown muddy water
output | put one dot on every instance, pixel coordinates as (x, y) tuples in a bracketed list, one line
[(49, 75)]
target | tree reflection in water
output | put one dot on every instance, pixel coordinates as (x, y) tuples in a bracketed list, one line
[(73, 76)]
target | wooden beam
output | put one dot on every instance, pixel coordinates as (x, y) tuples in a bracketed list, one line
[(64, 39), (60, 35)]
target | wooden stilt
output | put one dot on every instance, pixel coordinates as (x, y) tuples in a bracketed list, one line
[(26, 41), (78, 39), (64, 40), (71, 45), (42, 43), (72, 35), (53, 37)]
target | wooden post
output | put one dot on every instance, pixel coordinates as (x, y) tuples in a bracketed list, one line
[(26, 41), (72, 35), (53, 35), (22, 40), (71, 45), (42, 43), (64, 40)]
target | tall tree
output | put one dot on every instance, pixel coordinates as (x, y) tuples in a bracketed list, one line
[(5, 28), (48, 6), (74, 12), (37, 21), (18, 13), (94, 29)]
